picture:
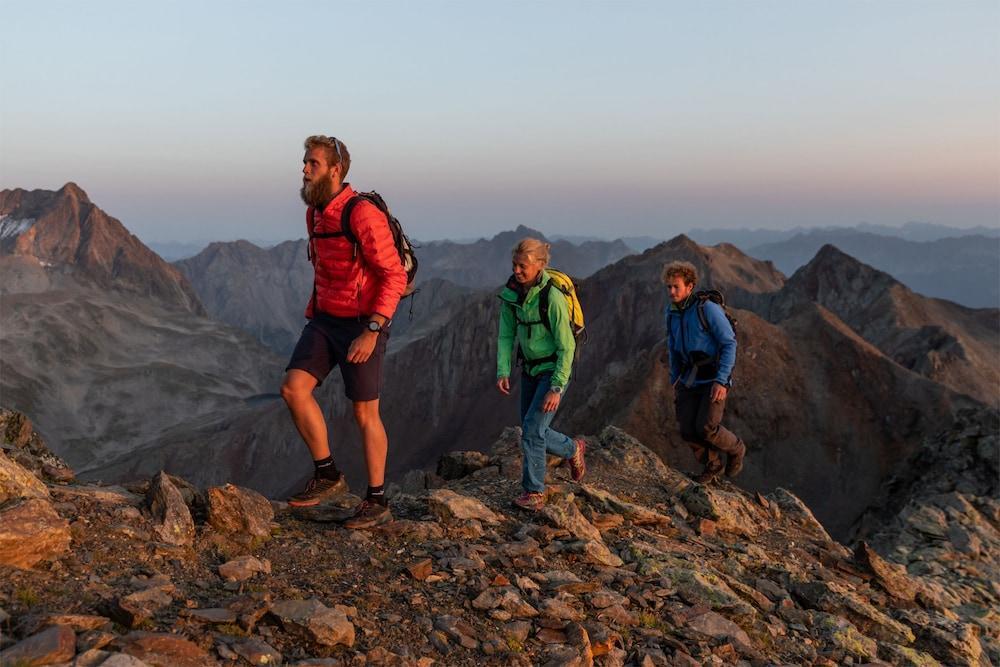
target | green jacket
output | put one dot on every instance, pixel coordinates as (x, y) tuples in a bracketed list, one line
[(535, 340)]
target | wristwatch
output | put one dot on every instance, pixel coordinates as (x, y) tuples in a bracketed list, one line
[(556, 390), (374, 326)]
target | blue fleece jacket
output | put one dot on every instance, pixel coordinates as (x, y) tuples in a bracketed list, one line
[(685, 336)]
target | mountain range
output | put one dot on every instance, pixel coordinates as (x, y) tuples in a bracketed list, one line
[(827, 412), (963, 269), (105, 343), (264, 291), (842, 370)]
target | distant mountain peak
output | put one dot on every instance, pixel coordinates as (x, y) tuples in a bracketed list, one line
[(836, 264), (64, 229), (73, 191)]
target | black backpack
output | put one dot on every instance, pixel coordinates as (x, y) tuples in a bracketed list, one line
[(403, 245), (715, 296)]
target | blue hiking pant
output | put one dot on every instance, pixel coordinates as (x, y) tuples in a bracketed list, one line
[(536, 436)]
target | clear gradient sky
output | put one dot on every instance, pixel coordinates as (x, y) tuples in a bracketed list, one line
[(185, 119)]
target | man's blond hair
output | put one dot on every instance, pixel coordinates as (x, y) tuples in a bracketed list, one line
[(684, 270), (335, 149)]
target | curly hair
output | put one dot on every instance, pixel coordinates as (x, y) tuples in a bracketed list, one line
[(684, 270)]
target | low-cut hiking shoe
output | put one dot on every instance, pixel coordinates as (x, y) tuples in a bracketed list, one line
[(530, 501), (577, 462), (368, 514), (319, 489), (734, 462)]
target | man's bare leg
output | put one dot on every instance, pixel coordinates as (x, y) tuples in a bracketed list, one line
[(297, 390), (373, 439)]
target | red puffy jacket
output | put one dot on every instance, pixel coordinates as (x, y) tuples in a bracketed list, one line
[(354, 281)]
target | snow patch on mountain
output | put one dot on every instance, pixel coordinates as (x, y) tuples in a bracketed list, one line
[(9, 227)]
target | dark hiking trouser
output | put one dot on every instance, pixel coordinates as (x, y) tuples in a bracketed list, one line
[(700, 421)]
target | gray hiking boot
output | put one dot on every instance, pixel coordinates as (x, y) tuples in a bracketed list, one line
[(734, 462), (368, 514), (319, 489)]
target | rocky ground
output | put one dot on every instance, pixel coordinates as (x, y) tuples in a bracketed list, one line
[(636, 566)]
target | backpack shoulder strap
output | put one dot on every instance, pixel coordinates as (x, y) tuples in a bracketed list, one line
[(702, 318), (543, 306), (345, 218)]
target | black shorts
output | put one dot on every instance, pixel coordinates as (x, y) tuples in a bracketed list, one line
[(324, 343)]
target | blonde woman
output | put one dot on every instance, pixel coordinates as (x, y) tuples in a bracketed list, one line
[(546, 346)]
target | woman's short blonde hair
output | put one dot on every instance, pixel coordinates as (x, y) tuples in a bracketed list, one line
[(684, 270), (533, 248)]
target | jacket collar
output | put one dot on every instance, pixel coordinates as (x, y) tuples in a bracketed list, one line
[(519, 295), (337, 203), (683, 305)]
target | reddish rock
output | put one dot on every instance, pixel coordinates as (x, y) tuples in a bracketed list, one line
[(421, 569), (31, 532), (165, 650), (314, 621), (55, 644), (244, 567), (233, 509)]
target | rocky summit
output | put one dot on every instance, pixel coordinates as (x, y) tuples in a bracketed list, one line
[(637, 565)]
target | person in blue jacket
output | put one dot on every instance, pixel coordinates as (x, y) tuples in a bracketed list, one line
[(702, 357)]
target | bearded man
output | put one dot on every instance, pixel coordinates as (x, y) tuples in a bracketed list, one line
[(358, 281)]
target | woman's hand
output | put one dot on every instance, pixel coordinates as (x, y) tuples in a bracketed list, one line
[(551, 401), (503, 385)]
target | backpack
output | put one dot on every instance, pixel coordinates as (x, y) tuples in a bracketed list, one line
[(562, 282), (403, 245), (715, 296)]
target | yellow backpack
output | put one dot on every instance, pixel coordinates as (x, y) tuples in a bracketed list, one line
[(564, 284)]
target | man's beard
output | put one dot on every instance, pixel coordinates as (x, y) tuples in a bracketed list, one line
[(317, 193)]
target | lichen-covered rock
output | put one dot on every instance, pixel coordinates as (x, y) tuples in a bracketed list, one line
[(455, 465), (54, 644), (132, 609), (16, 481), (835, 598), (171, 517), (235, 510), (562, 512), (841, 635), (637, 514), (890, 576), (244, 567), (314, 621), (31, 532), (160, 649), (449, 506), (731, 512)]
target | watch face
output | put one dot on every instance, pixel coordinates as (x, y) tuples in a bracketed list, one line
[(374, 326)]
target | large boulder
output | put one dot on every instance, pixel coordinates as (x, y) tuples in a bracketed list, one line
[(31, 532), (52, 645)]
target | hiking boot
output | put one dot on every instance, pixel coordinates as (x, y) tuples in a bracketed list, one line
[(577, 462), (530, 501), (319, 489), (710, 473), (734, 462), (368, 514)]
